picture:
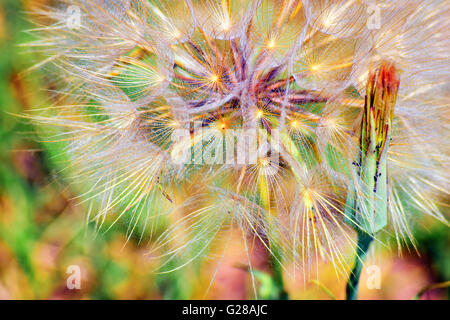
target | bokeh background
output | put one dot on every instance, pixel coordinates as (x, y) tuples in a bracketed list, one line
[(43, 229)]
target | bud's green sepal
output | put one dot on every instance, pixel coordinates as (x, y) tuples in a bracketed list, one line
[(367, 200)]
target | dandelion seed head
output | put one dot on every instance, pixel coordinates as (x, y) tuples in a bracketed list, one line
[(147, 90)]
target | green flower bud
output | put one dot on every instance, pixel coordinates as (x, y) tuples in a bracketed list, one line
[(367, 201)]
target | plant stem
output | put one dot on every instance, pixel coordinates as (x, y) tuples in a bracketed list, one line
[(278, 279), (364, 241)]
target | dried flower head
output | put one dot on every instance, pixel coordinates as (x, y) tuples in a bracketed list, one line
[(194, 117)]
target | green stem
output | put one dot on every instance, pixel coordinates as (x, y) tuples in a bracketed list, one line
[(278, 279), (364, 241)]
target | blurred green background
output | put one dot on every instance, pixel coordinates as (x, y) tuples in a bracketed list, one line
[(43, 230)]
